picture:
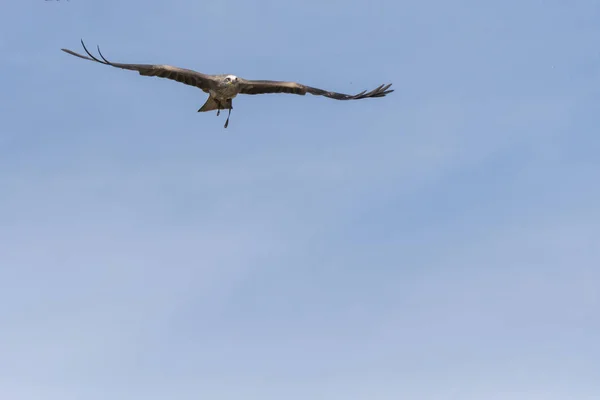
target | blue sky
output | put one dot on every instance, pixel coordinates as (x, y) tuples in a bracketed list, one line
[(440, 243)]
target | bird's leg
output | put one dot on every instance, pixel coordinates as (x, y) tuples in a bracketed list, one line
[(227, 121), (219, 106)]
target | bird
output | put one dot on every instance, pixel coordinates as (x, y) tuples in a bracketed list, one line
[(223, 88)]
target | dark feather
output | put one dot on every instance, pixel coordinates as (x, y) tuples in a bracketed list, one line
[(186, 76), (261, 87)]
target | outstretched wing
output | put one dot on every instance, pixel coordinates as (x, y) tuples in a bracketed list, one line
[(186, 76), (261, 87)]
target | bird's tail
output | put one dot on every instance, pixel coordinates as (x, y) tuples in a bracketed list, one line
[(212, 104)]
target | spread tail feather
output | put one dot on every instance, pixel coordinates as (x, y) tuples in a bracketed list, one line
[(212, 104)]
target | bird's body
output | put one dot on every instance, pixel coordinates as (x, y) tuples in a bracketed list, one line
[(226, 87), (223, 88)]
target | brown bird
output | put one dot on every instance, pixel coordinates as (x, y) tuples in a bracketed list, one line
[(223, 88)]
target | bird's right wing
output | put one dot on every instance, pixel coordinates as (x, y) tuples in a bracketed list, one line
[(186, 76)]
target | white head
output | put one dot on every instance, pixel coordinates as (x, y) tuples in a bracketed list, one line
[(229, 79)]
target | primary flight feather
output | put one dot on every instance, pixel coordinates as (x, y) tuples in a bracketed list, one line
[(223, 88)]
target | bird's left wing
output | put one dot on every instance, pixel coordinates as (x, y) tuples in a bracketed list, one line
[(261, 87), (185, 76)]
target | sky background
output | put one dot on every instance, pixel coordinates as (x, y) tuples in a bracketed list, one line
[(440, 243)]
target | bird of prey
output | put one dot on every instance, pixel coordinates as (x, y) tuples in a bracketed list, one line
[(223, 88)]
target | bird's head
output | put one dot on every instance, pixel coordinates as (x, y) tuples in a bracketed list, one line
[(231, 79)]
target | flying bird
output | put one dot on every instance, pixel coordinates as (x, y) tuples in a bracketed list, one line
[(224, 87)]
